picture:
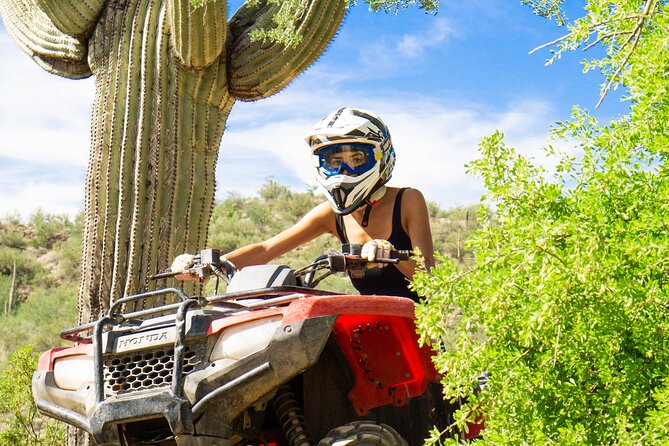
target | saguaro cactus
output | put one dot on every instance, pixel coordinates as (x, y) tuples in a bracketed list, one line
[(167, 75)]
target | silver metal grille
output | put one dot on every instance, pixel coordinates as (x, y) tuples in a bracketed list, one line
[(148, 369)]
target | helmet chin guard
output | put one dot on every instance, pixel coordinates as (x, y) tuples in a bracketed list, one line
[(346, 197), (345, 191)]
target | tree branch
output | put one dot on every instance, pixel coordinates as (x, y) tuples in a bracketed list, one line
[(552, 254), (636, 35), (558, 40), (606, 36), (557, 343), (640, 17)]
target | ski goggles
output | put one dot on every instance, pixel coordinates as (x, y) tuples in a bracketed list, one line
[(352, 158)]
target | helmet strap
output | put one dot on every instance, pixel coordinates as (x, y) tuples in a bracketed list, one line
[(371, 201)]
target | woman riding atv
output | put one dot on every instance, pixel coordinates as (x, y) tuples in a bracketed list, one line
[(354, 158)]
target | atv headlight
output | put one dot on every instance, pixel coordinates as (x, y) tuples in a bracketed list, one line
[(239, 341), (73, 372)]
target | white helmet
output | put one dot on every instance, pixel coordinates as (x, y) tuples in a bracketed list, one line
[(353, 156)]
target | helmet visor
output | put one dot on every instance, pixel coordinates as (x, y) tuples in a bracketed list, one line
[(348, 158)]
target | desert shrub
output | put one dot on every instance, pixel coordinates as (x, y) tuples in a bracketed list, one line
[(21, 424)]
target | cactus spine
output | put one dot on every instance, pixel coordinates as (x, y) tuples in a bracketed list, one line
[(167, 75)]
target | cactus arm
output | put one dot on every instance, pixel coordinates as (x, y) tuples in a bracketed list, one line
[(198, 32), (73, 17), (38, 36), (260, 69)]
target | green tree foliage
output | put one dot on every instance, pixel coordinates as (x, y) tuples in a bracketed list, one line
[(283, 25), (550, 9), (12, 233), (48, 230), (20, 424), (567, 303)]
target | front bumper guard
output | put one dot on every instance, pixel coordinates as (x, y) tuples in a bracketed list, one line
[(234, 387)]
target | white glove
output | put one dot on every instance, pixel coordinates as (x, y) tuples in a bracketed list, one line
[(376, 249), (182, 262)]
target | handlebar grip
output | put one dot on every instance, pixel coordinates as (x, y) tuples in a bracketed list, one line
[(395, 254), (400, 254)]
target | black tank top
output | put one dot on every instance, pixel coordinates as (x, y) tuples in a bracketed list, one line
[(388, 281)]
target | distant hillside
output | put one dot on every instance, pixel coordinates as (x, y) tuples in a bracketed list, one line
[(39, 269)]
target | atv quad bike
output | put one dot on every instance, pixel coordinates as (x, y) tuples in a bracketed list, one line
[(272, 361)]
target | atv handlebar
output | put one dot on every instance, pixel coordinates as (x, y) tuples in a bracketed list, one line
[(209, 262), (348, 260)]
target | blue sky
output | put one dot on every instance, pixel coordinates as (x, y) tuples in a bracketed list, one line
[(440, 82)]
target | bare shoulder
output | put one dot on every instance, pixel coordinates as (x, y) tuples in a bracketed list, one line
[(414, 207), (413, 199), (414, 194)]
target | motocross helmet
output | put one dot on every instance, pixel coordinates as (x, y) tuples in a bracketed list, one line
[(353, 156)]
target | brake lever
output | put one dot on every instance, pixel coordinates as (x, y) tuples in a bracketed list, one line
[(163, 275), (195, 271)]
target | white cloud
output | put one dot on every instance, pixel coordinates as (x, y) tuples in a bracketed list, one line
[(435, 141), (43, 118), (391, 52), (54, 197), (415, 45), (44, 136)]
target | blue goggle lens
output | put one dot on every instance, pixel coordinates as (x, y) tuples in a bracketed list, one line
[(351, 158)]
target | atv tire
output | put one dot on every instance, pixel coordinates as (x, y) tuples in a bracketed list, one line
[(363, 433)]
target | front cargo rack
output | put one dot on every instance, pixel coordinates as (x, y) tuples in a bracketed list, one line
[(230, 302)]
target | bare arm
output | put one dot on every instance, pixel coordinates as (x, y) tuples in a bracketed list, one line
[(416, 223), (316, 222)]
